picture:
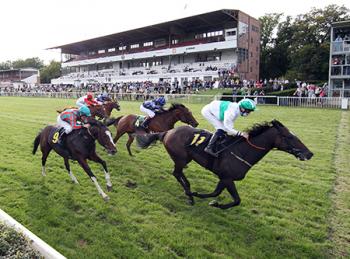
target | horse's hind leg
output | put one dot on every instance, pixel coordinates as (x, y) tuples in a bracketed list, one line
[(94, 157), (181, 178), (128, 144), (66, 163), (218, 190), (231, 188), (45, 150)]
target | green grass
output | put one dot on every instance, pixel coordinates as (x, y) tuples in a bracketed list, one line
[(285, 209)]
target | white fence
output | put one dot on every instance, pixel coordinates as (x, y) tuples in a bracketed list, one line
[(309, 102)]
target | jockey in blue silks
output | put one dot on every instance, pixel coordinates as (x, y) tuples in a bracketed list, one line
[(102, 98), (150, 108)]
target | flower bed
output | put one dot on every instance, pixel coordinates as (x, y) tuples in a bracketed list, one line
[(15, 245)]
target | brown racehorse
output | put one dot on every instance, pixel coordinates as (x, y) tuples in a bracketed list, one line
[(185, 144), (161, 122), (110, 105)]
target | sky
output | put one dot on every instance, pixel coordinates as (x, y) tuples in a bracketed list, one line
[(29, 27)]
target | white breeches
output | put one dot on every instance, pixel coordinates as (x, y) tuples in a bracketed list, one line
[(147, 111), (67, 127), (212, 118)]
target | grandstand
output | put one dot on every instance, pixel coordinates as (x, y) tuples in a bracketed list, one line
[(203, 47)]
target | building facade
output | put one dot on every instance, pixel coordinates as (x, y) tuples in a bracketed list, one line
[(204, 47), (339, 61)]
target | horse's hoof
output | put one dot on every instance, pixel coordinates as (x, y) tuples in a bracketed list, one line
[(109, 188), (106, 198), (190, 202), (214, 203)]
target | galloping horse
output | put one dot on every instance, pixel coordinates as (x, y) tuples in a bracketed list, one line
[(109, 106), (161, 122), (80, 146), (185, 144)]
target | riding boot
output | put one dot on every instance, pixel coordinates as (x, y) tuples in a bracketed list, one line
[(62, 133), (211, 147), (146, 122)]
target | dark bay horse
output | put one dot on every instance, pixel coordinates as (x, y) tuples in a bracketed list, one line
[(80, 146), (233, 163), (161, 122), (109, 106)]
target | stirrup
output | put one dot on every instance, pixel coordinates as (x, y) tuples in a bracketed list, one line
[(210, 152)]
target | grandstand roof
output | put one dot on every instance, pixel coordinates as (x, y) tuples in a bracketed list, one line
[(184, 25)]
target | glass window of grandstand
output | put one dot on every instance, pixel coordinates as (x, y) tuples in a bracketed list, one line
[(104, 66), (336, 71), (148, 44), (111, 50), (174, 41), (122, 48), (346, 70), (134, 46), (347, 88), (231, 33), (338, 60), (101, 51), (348, 59)]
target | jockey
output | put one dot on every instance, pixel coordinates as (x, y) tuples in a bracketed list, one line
[(103, 97), (72, 119), (150, 108), (87, 100), (222, 114)]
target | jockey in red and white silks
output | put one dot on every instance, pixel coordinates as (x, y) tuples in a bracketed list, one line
[(87, 100)]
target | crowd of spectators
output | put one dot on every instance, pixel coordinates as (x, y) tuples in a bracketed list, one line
[(239, 87)]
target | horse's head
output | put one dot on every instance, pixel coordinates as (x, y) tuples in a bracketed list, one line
[(288, 142), (114, 104), (98, 111), (184, 114), (101, 132)]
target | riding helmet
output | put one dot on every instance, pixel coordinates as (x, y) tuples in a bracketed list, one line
[(85, 111), (247, 104)]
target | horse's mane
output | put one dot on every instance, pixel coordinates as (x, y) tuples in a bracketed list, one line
[(66, 108), (175, 106), (259, 128)]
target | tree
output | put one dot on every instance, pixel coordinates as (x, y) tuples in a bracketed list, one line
[(299, 47), (29, 62), (53, 70)]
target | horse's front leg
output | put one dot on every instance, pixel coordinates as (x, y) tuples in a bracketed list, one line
[(181, 178), (94, 157), (218, 190), (231, 188), (87, 169)]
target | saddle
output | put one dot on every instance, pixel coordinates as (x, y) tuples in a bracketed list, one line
[(201, 139), (139, 120), (53, 140)]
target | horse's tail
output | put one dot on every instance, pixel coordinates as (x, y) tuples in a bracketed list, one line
[(114, 121), (36, 143), (144, 141)]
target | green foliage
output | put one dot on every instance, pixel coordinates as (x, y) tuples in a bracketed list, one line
[(53, 70), (285, 203), (299, 48), (14, 244), (23, 63)]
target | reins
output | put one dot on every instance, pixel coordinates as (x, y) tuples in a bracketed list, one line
[(254, 146)]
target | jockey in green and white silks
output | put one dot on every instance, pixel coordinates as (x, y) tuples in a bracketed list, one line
[(222, 115)]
